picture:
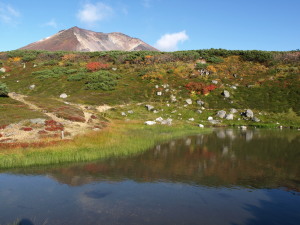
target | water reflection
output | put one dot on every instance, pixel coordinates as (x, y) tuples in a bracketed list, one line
[(226, 177)]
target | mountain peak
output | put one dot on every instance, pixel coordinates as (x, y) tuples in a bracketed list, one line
[(78, 39)]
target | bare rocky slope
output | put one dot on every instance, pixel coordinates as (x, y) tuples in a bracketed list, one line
[(77, 39)]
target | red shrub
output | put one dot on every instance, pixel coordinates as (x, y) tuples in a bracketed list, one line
[(52, 125), (1, 135), (200, 88), (2, 127), (95, 66), (26, 129)]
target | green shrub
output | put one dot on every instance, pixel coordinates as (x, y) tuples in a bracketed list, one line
[(214, 59), (102, 80), (54, 73), (200, 66), (71, 71), (3, 90), (77, 77)]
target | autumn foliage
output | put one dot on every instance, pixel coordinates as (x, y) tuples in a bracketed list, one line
[(95, 66), (200, 88)]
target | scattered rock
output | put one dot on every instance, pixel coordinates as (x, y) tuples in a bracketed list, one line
[(235, 75), (155, 111), (159, 93), (210, 118), (149, 107), (130, 111), (96, 129), (114, 69), (167, 122), (229, 116), (248, 113), (226, 94), (3, 70), (191, 119), (156, 86), (34, 65), (221, 114), (214, 81), (150, 123), (201, 125), (31, 87), (233, 87), (199, 111), (39, 121), (63, 95), (173, 98), (233, 111), (199, 102), (123, 114), (189, 101), (214, 121), (159, 119), (255, 119)]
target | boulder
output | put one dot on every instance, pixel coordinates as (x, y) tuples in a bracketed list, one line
[(255, 119), (159, 119), (201, 125), (3, 70), (229, 116), (123, 113), (226, 94), (210, 118), (150, 123), (189, 101), (214, 81), (156, 86), (199, 102), (249, 113), (114, 69), (191, 119), (31, 87), (221, 114), (37, 121), (149, 107), (233, 111), (63, 95), (167, 122)]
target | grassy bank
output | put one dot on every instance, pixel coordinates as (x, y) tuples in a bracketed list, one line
[(121, 139)]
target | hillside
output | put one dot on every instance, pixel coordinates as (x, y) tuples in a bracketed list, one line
[(77, 39), (180, 87)]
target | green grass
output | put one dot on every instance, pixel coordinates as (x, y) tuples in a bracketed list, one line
[(122, 139), (12, 111)]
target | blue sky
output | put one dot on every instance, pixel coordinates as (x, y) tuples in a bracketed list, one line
[(166, 24)]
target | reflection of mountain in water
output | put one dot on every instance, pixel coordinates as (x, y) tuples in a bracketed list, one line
[(257, 158)]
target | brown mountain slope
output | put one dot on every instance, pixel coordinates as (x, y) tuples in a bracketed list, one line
[(77, 39)]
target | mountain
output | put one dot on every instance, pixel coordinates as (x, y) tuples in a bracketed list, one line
[(77, 39)]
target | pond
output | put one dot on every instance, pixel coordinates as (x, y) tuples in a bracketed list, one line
[(226, 177)]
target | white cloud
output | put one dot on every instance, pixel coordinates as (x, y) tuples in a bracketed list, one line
[(51, 23), (93, 13), (8, 14), (169, 42)]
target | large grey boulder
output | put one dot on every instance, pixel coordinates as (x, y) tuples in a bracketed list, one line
[(37, 121), (221, 114), (226, 94)]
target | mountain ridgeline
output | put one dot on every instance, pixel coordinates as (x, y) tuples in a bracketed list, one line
[(77, 39)]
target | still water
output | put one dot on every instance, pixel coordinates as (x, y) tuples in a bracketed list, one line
[(226, 177)]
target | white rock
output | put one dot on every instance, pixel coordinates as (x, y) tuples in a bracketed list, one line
[(201, 125), (156, 86), (189, 101), (159, 93), (150, 123), (229, 116), (130, 111), (31, 87), (199, 111), (210, 118), (63, 95), (123, 113), (159, 119), (214, 81), (155, 111), (114, 69), (233, 111), (173, 98), (3, 70), (191, 119), (226, 94)]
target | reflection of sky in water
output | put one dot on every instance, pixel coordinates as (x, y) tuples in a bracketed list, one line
[(124, 202)]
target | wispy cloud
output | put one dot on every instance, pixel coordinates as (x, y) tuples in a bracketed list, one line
[(169, 42), (51, 23), (93, 13), (8, 14), (146, 3)]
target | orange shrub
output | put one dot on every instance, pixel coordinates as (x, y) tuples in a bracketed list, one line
[(95, 66)]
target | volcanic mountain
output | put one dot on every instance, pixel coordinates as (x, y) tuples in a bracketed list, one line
[(77, 39)]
